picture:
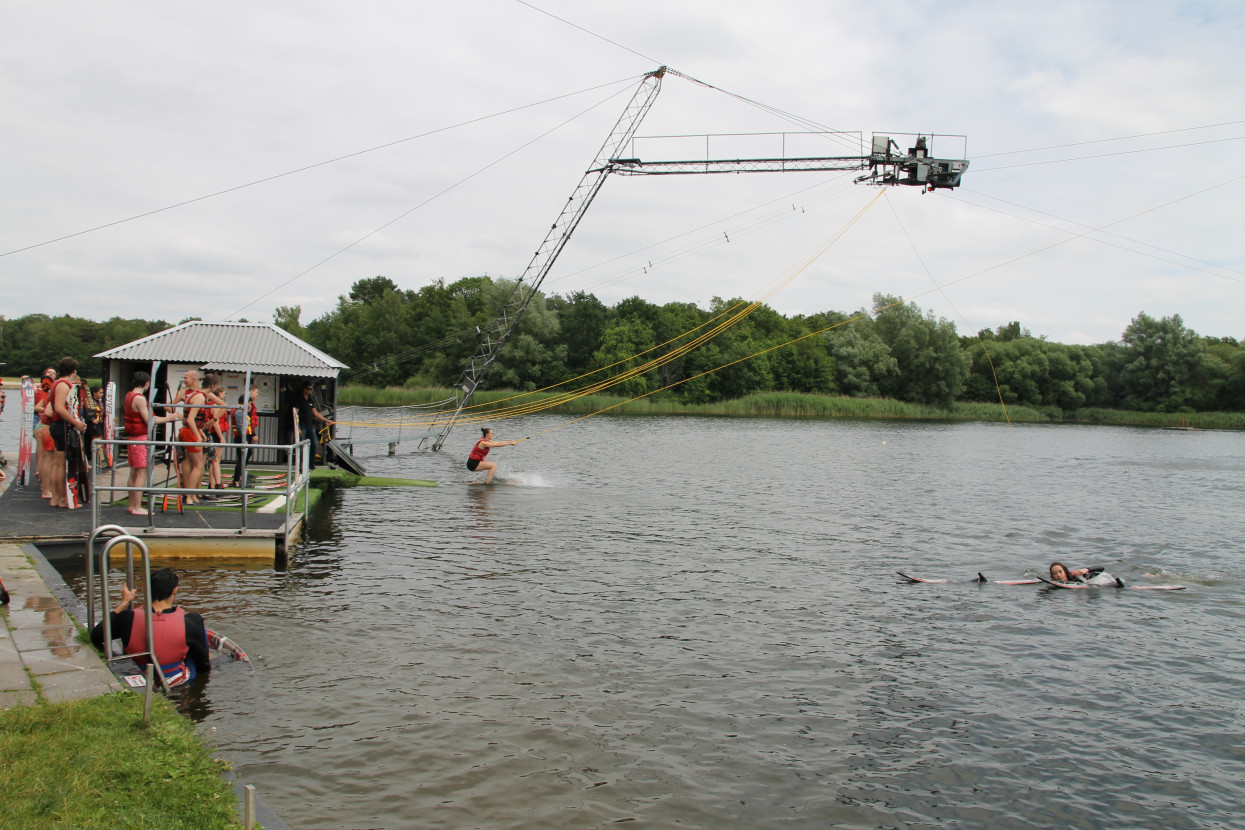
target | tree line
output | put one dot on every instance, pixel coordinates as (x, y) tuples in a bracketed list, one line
[(422, 338)]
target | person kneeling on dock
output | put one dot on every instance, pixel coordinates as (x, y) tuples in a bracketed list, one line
[(180, 636)]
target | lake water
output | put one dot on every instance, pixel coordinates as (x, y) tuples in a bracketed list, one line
[(696, 622)]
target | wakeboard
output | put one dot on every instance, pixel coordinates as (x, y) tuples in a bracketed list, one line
[(77, 471)]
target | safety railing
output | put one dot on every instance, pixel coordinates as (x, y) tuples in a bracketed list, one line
[(130, 542), (296, 480)]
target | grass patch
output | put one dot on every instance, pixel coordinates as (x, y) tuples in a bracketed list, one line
[(94, 763)]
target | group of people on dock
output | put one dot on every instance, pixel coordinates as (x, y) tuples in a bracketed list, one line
[(208, 423), (69, 416)]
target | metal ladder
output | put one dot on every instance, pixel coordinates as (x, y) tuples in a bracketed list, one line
[(121, 537)]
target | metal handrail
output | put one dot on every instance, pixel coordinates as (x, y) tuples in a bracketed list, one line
[(297, 478), (150, 653), (116, 530)]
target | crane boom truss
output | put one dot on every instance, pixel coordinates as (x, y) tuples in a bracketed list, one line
[(559, 233), (883, 167)]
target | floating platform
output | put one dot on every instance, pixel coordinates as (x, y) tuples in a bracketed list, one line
[(211, 529)]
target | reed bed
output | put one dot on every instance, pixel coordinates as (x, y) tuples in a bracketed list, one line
[(792, 405)]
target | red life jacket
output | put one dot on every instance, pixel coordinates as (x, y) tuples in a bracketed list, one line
[(201, 417), (169, 638), (51, 407), (134, 423), (41, 396), (254, 422), (478, 452)]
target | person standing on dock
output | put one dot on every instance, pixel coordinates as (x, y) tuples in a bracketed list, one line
[(476, 461), (138, 420), (64, 416), (44, 446), (192, 433), (305, 410), (179, 636), (245, 430)]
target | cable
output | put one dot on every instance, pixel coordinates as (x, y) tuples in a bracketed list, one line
[(1109, 155), (993, 372), (1104, 140), (773, 287), (589, 32), (1101, 241), (304, 169), (432, 198)]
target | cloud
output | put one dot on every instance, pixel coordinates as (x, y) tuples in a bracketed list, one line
[(113, 113)]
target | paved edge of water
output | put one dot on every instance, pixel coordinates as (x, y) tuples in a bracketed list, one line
[(38, 639)]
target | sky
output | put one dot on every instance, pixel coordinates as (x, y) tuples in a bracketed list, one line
[(151, 153)]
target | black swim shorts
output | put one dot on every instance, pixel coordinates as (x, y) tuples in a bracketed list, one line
[(57, 428), (472, 463)]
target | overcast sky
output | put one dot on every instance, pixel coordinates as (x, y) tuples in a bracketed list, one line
[(1123, 119)]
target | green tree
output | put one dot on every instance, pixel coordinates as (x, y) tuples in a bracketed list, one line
[(863, 363), (287, 317), (932, 367), (533, 358), (582, 320), (1167, 367), (369, 291), (620, 344)]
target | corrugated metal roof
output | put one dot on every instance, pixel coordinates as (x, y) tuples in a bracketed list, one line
[(231, 347)]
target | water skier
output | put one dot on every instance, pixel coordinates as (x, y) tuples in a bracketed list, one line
[(476, 460)]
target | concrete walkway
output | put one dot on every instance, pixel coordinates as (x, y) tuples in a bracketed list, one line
[(40, 654)]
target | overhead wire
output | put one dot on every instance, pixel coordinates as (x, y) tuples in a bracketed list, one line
[(977, 171), (305, 168), (738, 231), (424, 203), (1100, 241), (716, 222), (1105, 140), (990, 360), (741, 313), (862, 315)]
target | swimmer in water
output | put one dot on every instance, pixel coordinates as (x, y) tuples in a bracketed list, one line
[(1060, 572)]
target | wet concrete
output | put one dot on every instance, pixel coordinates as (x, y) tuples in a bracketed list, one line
[(40, 654)]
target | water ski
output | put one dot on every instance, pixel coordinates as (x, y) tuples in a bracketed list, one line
[(26, 449), (1119, 583), (921, 579), (77, 470), (980, 580), (227, 647)]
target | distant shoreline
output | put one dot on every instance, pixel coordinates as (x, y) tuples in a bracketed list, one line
[(797, 405)]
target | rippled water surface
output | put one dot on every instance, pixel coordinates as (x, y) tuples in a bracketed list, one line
[(696, 623)]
